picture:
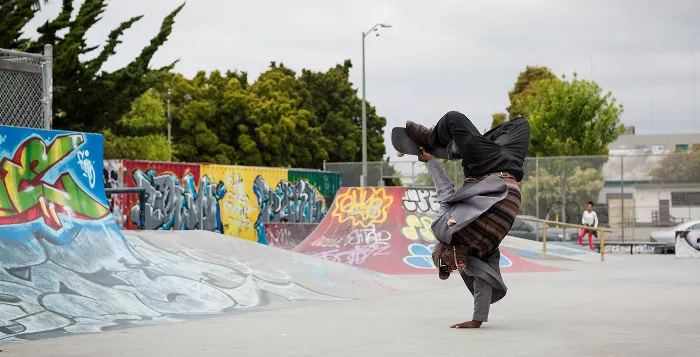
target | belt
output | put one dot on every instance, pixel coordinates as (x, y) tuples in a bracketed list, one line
[(503, 175)]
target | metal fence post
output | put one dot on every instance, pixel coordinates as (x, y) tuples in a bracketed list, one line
[(622, 195), (563, 210), (537, 187), (381, 174), (48, 86), (142, 209)]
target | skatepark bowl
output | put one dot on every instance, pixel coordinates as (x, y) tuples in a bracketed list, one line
[(72, 283)]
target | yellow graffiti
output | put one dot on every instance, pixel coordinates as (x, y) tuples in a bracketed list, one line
[(363, 207), (238, 208), (418, 228)]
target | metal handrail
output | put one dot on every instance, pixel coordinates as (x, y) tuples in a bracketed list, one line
[(571, 225)]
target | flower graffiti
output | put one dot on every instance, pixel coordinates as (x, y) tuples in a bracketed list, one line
[(363, 206)]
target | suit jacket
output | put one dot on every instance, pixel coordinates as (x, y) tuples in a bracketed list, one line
[(489, 271), (464, 205)]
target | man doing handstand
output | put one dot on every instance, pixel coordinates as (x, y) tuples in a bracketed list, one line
[(473, 220)]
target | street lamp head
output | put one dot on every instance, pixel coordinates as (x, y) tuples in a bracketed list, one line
[(384, 25)]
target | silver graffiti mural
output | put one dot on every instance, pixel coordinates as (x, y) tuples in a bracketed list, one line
[(171, 205), (103, 281), (298, 202)]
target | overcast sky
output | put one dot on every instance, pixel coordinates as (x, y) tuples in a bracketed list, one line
[(439, 55)]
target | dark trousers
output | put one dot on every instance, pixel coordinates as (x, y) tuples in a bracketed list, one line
[(453, 126), (502, 148), (473, 146)]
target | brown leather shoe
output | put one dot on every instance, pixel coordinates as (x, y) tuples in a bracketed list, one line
[(419, 133)]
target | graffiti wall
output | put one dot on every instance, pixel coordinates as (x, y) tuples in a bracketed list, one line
[(112, 174), (287, 235), (688, 244), (66, 268), (386, 230), (233, 200)]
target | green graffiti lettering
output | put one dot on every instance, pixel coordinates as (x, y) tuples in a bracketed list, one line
[(25, 195)]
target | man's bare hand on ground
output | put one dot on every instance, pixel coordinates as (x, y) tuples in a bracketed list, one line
[(468, 324), (424, 156)]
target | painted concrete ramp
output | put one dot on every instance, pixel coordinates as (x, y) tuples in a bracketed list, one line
[(555, 250), (65, 266), (388, 230)]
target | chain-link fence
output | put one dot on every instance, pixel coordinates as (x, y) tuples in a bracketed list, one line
[(26, 88), (635, 193)]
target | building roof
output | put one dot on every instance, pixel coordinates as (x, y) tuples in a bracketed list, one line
[(656, 142)]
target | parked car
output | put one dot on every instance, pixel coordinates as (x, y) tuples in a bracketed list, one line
[(533, 231), (669, 235)]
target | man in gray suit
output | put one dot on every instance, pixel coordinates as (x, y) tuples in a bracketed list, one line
[(473, 220)]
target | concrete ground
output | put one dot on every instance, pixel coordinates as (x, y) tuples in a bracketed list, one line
[(640, 305)]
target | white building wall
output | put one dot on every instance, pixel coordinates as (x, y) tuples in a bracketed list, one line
[(647, 200)]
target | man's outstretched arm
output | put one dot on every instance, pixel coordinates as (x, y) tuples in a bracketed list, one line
[(443, 184)]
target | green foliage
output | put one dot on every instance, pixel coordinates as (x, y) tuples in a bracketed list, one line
[(579, 185), (14, 15), (498, 119), (567, 118), (140, 132), (525, 86), (571, 118), (86, 98), (282, 119), (680, 167), (424, 179)]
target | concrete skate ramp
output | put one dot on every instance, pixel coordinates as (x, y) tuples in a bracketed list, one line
[(65, 266), (387, 230), (287, 235), (555, 250)]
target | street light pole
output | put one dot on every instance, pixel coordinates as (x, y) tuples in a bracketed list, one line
[(170, 151), (364, 105)]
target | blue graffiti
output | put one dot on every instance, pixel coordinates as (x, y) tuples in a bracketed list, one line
[(421, 257), (172, 205), (298, 203)]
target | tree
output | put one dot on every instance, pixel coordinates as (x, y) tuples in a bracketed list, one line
[(280, 120), (14, 15), (579, 185), (339, 111), (571, 118), (86, 98), (679, 167), (567, 118), (498, 119), (141, 132), (525, 86), (522, 91)]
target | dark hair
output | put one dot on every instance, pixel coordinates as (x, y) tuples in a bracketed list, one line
[(591, 203)]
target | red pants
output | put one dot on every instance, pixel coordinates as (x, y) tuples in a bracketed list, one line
[(590, 238)]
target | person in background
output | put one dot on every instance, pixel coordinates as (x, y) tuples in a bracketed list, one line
[(590, 219)]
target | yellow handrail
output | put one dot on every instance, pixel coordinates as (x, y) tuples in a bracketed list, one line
[(544, 233)]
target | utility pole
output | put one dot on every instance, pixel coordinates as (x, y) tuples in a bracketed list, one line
[(170, 150), (364, 105)]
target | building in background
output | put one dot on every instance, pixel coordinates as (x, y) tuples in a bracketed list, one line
[(632, 195)]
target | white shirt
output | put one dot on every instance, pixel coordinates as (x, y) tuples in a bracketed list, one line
[(589, 219)]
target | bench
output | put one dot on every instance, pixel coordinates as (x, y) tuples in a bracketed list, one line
[(633, 244)]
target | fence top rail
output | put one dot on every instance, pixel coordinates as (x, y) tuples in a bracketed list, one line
[(21, 54), (565, 224)]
